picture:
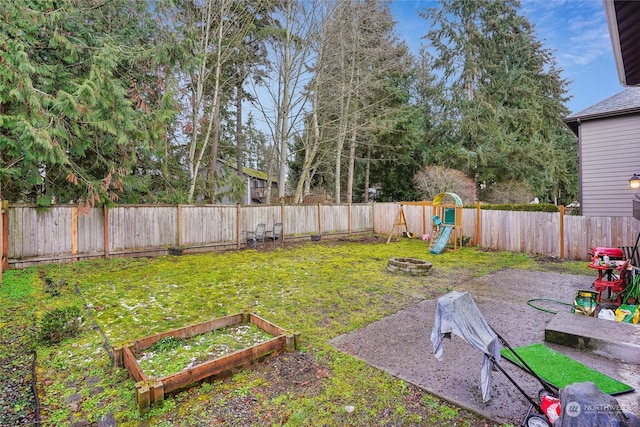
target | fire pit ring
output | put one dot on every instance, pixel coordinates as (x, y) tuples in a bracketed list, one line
[(411, 266)]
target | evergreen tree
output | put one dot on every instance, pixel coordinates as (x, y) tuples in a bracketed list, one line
[(396, 158), (82, 98), (502, 99), (256, 149)]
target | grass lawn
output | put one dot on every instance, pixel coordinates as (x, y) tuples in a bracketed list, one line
[(320, 290)]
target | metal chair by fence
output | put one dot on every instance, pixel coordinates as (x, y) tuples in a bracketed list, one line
[(253, 237), (275, 234)]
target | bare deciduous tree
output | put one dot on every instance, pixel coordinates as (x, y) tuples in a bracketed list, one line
[(214, 30), (433, 180), (291, 54)]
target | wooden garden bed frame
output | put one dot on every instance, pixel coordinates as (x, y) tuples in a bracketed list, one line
[(151, 391)]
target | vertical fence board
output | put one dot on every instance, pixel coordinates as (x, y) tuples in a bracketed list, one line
[(253, 215), (469, 224), (335, 218), (142, 227), (90, 231), (413, 217), (301, 220), (208, 225), (386, 214), (34, 233), (361, 218), (114, 233)]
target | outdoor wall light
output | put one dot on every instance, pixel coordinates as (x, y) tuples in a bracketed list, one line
[(634, 182)]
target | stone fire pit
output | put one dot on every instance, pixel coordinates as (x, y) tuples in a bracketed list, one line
[(411, 266)]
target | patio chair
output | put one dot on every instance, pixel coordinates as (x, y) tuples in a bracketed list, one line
[(253, 237), (275, 234)]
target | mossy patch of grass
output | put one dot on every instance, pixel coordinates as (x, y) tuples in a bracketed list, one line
[(171, 355), (59, 324), (17, 286), (321, 290)]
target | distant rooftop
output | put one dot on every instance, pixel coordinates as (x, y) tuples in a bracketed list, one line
[(250, 171), (625, 102)]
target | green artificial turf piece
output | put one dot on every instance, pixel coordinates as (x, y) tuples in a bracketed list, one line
[(560, 370)]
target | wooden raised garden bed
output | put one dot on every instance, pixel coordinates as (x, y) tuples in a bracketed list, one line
[(151, 390)]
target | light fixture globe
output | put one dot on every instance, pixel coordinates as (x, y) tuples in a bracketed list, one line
[(634, 182)]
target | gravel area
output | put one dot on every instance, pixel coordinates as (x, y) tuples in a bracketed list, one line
[(17, 401)]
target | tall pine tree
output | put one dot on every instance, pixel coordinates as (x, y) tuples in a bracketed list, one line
[(503, 102)]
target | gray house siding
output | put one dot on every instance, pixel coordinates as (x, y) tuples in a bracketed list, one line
[(609, 145), (609, 155)]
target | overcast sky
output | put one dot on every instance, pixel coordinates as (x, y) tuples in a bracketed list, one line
[(575, 30)]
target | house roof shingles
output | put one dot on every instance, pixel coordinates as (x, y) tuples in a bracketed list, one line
[(623, 19), (254, 173), (625, 102)]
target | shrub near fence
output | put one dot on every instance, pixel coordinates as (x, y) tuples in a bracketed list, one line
[(59, 234)]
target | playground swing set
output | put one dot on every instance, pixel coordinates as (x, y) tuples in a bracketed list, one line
[(446, 221)]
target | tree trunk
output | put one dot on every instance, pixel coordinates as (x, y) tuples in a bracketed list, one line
[(213, 119), (239, 134), (285, 108), (310, 150), (348, 91), (352, 159), (365, 196)]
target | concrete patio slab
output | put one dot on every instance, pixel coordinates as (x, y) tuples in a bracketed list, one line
[(400, 344), (619, 341)]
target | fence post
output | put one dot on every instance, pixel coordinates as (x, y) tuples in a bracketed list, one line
[(282, 219), (478, 224), (319, 219), (105, 230), (349, 219), (373, 216), (179, 231), (74, 231), (4, 212), (238, 224), (2, 239), (424, 217), (561, 211)]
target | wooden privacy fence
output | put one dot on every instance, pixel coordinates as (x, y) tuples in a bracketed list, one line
[(60, 233), (552, 234), (4, 242)]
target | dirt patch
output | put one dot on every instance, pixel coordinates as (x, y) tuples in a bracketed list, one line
[(301, 374), (294, 373), (326, 240)]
